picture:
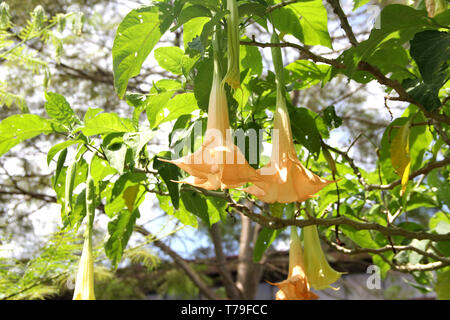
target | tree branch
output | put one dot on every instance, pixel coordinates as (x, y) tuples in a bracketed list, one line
[(276, 223), (232, 290), (337, 9)]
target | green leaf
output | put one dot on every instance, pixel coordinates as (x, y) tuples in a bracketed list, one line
[(171, 59), (362, 238), (100, 169), (136, 36), (116, 202), (115, 151), (137, 141), (59, 109), (263, 242), (314, 22), (120, 230), (396, 22), (191, 12), (430, 51), (20, 127), (307, 73), (60, 164), (251, 58), (305, 130), (426, 94), (196, 204), (91, 113), (106, 123), (161, 109), (287, 21), (330, 117), (58, 147), (169, 173), (193, 29), (203, 82), (438, 181)]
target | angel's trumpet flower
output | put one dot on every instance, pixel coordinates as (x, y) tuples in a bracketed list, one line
[(284, 179), (296, 286), (218, 163), (233, 46), (320, 274), (84, 285)]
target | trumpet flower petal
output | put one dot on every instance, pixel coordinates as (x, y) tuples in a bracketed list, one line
[(84, 284), (296, 286), (319, 272), (218, 163), (284, 179)]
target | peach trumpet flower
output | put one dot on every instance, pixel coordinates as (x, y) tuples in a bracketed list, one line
[(284, 179), (319, 272), (218, 163), (296, 286)]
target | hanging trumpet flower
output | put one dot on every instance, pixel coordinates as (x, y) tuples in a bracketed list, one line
[(284, 179), (84, 285), (296, 286), (233, 76), (319, 272), (218, 163)]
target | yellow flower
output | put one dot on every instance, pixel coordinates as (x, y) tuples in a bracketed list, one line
[(84, 285), (233, 76), (284, 179), (218, 163), (296, 286), (319, 272)]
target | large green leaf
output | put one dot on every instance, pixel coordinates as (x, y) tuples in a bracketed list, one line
[(396, 22), (59, 109), (174, 60), (116, 201), (314, 22), (430, 50), (136, 36), (287, 21), (190, 12), (203, 82), (193, 29), (106, 123), (307, 73), (120, 230), (162, 109), (20, 127)]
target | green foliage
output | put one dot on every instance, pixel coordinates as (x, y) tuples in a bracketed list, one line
[(144, 27)]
